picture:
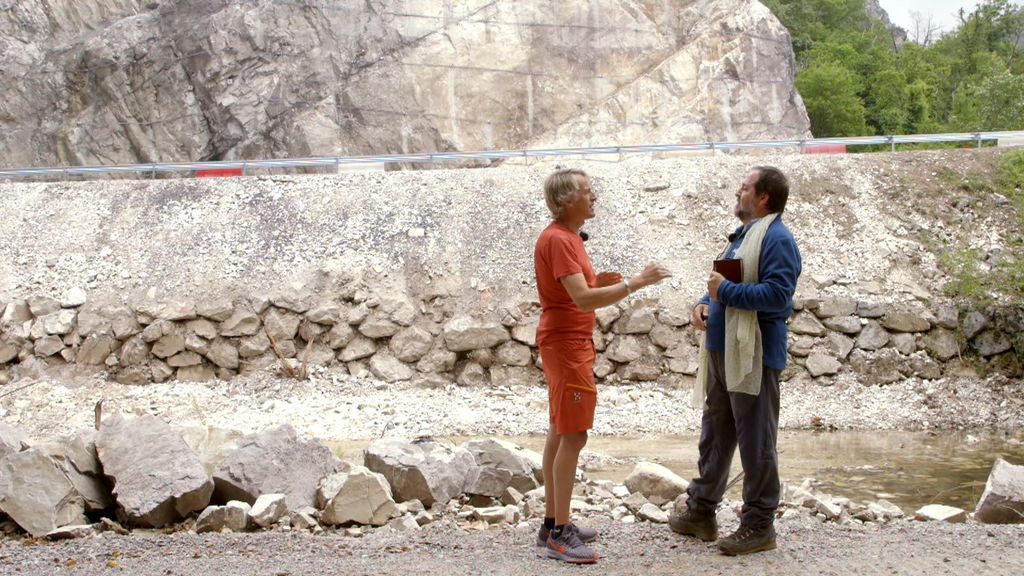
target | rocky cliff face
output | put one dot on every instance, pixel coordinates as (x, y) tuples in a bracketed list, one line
[(117, 81)]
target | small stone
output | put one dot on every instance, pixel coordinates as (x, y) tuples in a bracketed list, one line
[(906, 322), (941, 513), (843, 324), (871, 309), (872, 337), (819, 364), (73, 298)]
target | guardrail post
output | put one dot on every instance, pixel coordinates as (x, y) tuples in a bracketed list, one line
[(892, 144), (978, 136)]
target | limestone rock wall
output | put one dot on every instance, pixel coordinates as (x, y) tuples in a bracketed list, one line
[(396, 338), (122, 81)]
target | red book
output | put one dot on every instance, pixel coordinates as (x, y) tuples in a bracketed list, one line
[(731, 268)]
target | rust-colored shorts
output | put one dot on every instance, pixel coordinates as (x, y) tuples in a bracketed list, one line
[(572, 394)]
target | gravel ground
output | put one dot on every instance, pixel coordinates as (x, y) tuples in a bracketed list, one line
[(334, 406), (805, 547)]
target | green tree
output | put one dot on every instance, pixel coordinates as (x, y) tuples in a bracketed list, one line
[(919, 120), (994, 103), (855, 79), (833, 105), (887, 102)]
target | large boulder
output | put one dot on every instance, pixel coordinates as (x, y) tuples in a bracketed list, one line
[(806, 323), (411, 344), (275, 461), (878, 368), (942, 344), (1002, 502), (655, 481), (483, 481), (525, 466), (834, 307), (819, 364), (281, 325), (358, 496), (638, 319), (906, 322), (388, 368), (157, 479), (624, 349), (872, 337), (423, 470), (464, 333), (36, 494)]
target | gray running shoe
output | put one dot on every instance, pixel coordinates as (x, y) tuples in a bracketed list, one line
[(586, 534), (569, 548)]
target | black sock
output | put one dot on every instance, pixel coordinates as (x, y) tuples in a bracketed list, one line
[(557, 531), (549, 523)]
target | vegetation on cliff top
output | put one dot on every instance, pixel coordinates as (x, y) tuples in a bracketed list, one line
[(858, 77)]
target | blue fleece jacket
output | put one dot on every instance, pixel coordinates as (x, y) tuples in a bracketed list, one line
[(771, 297)]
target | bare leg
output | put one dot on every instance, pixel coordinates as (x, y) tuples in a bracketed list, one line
[(548, 463), (564, 472)]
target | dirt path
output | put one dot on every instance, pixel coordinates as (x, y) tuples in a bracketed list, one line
[(805, 547)]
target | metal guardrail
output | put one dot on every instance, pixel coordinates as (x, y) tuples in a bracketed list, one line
[(435, 157)]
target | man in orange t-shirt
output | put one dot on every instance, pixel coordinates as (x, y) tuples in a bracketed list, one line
[(569, 293)]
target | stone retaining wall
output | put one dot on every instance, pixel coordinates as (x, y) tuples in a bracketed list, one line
[(397, 337)]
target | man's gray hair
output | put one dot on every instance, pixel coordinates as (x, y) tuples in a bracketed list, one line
[(561, 187)]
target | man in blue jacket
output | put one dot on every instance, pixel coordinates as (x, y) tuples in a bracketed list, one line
[(743, 353)]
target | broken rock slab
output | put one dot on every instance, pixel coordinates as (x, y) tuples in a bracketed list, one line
[(483, 481), (36, 493), (1002, 502), (524, 465), (275, 461), (423, 470), (157, 478), (358, 496)]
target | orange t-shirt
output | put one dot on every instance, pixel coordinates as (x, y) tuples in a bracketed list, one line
[(560, 253)]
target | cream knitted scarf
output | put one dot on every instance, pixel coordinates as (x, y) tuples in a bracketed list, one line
[(743, 354)]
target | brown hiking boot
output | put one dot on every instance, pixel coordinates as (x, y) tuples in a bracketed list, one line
[(748, 540), (687, 522)]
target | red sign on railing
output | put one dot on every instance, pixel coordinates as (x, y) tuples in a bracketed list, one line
[(218, 173), (825, 149)]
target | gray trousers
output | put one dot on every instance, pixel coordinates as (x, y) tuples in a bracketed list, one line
[(752, 423)]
